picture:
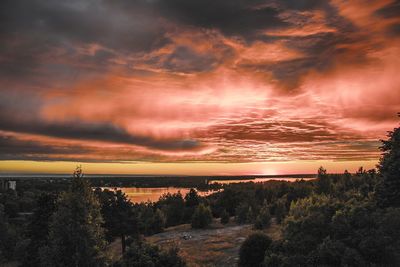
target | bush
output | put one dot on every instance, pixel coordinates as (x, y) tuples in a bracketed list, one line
[(145, 255), (202, 217), (280, 210), (253, 249), (158, 221), (225, 217), (172, 206), (263, 219), (244, 214)]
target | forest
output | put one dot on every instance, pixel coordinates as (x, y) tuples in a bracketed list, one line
[(348, 219)]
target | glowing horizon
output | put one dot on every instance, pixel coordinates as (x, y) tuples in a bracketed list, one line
[(206, 87), (205, 168)]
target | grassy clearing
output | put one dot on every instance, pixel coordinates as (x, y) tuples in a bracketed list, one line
[(216, 246)]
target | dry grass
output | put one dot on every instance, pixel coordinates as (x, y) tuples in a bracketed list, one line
[(217, 246)]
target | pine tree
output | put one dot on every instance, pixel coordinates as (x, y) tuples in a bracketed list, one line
[(388, 192), (76, 237), (323, 182), (38, 229), (202, 217), (119, 217)]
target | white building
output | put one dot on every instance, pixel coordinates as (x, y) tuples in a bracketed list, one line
[(7, 184)]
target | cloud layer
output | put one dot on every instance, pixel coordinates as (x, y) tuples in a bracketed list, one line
[(178, 81)]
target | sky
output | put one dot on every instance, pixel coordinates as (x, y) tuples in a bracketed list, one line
[(197, 87)]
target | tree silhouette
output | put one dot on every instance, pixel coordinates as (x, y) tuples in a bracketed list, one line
[(202, 217), (76, 237), (120, 219), (38, 228), (388, 192)]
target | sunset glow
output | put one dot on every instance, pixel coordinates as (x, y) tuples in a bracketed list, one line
[(197, 87)]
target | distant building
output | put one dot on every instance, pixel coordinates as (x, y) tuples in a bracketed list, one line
[(8, 184)]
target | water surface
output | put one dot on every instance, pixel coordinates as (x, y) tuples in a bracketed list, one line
[(259, 180), (143, 194)]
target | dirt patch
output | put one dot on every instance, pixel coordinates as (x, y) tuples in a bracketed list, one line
[(217, 246)]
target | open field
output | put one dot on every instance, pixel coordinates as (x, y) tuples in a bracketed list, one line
[(217, 246)]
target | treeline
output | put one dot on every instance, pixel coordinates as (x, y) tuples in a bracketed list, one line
[(106, 215), (62, 221), (335, 220), (76, 226), (341, 220)]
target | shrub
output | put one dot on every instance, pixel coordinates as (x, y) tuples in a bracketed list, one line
[(141, 254), (202, 217), (253, 249), (244, 214), (280, 210), (158, 221), (225, 217), (263, 219)]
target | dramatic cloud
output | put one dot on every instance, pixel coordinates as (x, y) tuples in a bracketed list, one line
[(195, 81)]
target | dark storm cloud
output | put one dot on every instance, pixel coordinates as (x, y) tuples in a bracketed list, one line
[(391, 10), (276, 132), (237, 18), (13, 148), (93, 131), (43, 37), (36, 35), (184, 59), (394, 30), (82, 21), (21, 115), (321, 52), (16, 147), (304, 4)]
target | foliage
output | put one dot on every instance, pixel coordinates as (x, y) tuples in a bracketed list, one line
[(157, 222), (118, 214), (323, 230), (38, 228), (76, 237), (229, 200), (389, 167), (253, 249), (244, 214), (307, 223), (202, 217), (173, 206), (192, 200), (323, 182), (7, 237), (225, 217), (263, 218), (140, 254), (150, 218), (280, 210)]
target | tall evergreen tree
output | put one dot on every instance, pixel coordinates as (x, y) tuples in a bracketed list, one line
[(202, 217), (323, 182), (119, 217), (388, 192), (38, 229), (76, 237)]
